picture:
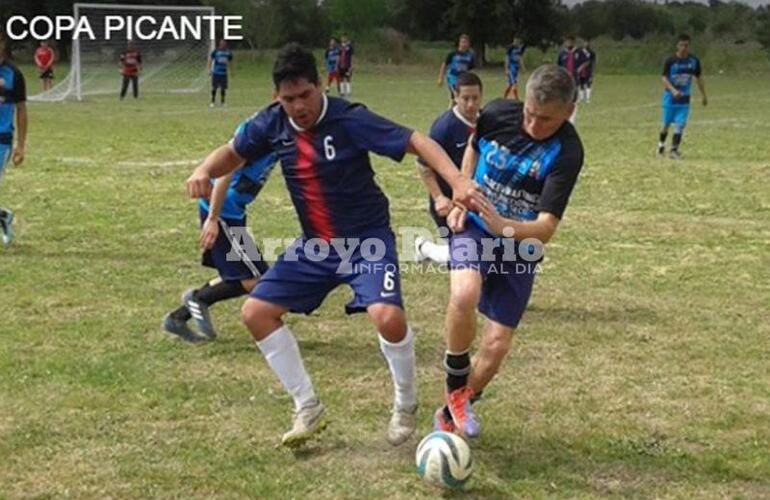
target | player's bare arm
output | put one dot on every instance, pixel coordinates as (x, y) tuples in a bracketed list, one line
[(671, 88), (437, 159), (542, 229), (441, 203), (441, 74), (457, 215), (702, 87), (21, 141), (219, 162), (210, 229)]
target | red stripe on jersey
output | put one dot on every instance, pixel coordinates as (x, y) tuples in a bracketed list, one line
[(315, 203)]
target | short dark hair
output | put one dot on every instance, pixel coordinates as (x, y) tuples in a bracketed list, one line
[(684, 37), (468, 79), (294, 62)]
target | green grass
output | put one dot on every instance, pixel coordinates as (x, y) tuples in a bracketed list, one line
[(641, 368)]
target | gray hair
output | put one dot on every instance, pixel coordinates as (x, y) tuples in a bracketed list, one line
[(549, 83)]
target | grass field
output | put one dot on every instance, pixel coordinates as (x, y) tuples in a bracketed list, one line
[(642, 368)]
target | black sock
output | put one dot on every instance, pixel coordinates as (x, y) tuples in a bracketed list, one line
[(4, 214), (663, 136), (223, 290), (676, 141), (457, 367), (474, 399), (213, 96), (181, 314), (222, 96)]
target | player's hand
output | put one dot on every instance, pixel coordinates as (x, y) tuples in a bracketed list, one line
[(463, 192), (677, 94), (442, 205), (705, 101), (439, 82), (495, 222), (199, 185), (209, 233), (456, 219), (18, 156)]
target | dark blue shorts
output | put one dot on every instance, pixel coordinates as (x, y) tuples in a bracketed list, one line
[(219, 82), (303, 276), (507, 280), (234, 255)]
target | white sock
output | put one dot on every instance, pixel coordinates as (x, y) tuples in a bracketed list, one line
[(588, 94), (282, 355), (436, 252), (573, 118), (581, 94), (401, 362)]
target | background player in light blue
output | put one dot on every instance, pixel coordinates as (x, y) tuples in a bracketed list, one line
[(678, 73), (219, 61), (458, 61), (227, 247), (13, 97), (514, 64)]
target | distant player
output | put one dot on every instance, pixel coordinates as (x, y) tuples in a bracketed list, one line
[(130, 68), (678, 73), (324, 144), (227, 247), (219, 63), (331, 58), (514, 64), (345, 66), (13, 97), (458, 61), (451, 131), (44, 59), (526, 158), (570, 58), (586, 72)]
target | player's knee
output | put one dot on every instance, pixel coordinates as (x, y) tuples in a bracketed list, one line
[(464, 298), (260, 318), (390, 321)]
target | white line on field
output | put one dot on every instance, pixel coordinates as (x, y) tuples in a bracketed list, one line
[(129, 163)]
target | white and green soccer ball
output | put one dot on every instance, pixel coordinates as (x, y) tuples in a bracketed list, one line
[(444, 459)]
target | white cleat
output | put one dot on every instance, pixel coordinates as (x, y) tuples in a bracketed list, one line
[(401, 426), (307, 421), (418, 255)]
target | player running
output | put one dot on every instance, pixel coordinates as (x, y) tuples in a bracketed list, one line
[(323, 144), (526, 158), (219, 63), (130, 67), (458, 61), (451, 131), (13, 97), (44, 59), (345, 66), (678, 73), (514, 64), (331, 58), (586, 72), (227, 247)]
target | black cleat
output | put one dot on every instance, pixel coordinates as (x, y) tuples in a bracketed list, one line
[(180, 329)]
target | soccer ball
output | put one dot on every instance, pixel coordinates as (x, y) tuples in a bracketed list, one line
[(444, 459)]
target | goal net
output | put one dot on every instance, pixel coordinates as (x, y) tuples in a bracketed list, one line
[(168, 64)]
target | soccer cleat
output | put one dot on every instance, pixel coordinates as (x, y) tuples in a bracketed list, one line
[(418, 255), (6, 224), (661, 150), (459, 403), (200, 313), (307, 421), (401, 426), (181, 330), (440, 422), (211, 104), (674, 155)]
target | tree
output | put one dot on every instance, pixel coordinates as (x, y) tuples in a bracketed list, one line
[(763, 27)]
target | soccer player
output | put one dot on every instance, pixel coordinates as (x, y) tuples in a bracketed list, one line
[(323, 144), (526, 158), (678, 73), (44, 59), (345, 66), (332, 57), (451, 131), (130, 67), (13, 97), (458, 61), (570, 59), (219, 61), (514, 64), (586, 72), (227, 247)]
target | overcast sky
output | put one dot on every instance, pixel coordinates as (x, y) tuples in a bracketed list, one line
[(755, 3)]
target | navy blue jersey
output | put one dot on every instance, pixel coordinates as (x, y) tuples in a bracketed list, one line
[(221, 58), (570, 60), (451, 131), (513, 55), (245, 185), (327, 168), (13, 90), (680, 73), (346, 56), (520, 175), (331, 56), (458, 62)]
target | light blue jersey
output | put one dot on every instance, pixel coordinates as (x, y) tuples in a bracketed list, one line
[(221, 58)]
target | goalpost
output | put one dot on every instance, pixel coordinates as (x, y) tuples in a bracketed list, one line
[(168, 65)]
